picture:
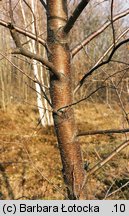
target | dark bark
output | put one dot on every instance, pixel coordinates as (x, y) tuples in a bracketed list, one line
[(73, 18), (61, 95)]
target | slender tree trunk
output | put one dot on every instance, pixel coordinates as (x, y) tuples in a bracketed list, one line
[(61, 95), (41, 103)]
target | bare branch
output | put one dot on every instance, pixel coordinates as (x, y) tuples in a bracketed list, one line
[(83, 99), (16, 5), (32, 79), (23, 51), (44, 5), (83, 43), (11, 12), (73, 18), (23, 32), (125, 114), (110, 48), (44, 94), (117, 72), (81, 82), (104, 132), (29, 54), (113, 30), (117, 190), (106, 160), (35, 22), (5, 56), (120, 62), (38, 58), (29, 77)]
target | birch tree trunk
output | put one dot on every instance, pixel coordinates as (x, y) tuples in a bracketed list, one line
[(45, 116), (61, 95)]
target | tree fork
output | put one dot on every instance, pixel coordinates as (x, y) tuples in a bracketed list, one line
[(61, 95)]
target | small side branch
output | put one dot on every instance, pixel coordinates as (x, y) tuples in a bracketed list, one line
[(29, 77), (86, 40), (113, 30), (117, 190), (75, 15), (90, 72), (112, 46), (106, 160), (112, 131), (38, 58), (44, 5), (81, 100), (24, 32), (27, 53), (34, 21)]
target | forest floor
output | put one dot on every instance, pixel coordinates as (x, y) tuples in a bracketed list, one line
[(30, 165)]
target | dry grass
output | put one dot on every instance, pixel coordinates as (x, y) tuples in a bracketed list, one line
[(30, 165)]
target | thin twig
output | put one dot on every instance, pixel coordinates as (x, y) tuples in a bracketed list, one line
[(34, 21), (83, 99), (27, 53), (23, 32), (90, 72), (112, 193), (112, 25), (5, 56), (106, 160), (86, 40), (110, 48), (44, 5), (104, 132), (121, 103)]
